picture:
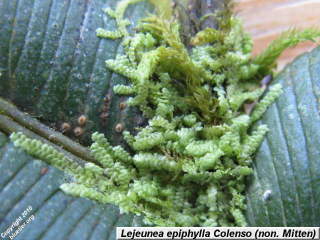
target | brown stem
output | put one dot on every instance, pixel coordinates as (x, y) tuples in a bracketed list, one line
[(197, 15), (13, 120), (207, 8)]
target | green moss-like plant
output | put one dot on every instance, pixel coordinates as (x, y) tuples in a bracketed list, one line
[(191, 160)]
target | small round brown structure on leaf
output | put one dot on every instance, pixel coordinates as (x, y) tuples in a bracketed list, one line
[(122, 105), (106, 99), (82, 120), (44, 170), (78, 131), (104, 115), (105, 108), (119, 128), (65, 127)]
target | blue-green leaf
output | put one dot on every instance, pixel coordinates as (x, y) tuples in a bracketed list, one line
[(285, 189)]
